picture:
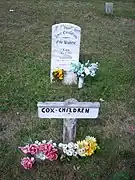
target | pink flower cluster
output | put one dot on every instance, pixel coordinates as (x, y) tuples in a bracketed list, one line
[(47, 149), (27, 162)]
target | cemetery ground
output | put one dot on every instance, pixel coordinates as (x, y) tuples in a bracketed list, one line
[(25, 43)]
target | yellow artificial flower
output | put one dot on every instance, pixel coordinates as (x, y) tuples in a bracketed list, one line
[(89, 152), (91, 148), (89, 145), (90, 139), (61, 77), (58, 74), (82, 144)]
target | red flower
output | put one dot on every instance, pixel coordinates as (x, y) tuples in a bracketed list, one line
[(27, 162)]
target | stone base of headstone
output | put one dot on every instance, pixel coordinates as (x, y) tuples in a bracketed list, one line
[(70, 78)]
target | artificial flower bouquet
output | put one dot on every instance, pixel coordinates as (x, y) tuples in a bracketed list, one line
[(38, 151), (83, 70), (83, 148), (51, 151), (58, 74), (86, 69)]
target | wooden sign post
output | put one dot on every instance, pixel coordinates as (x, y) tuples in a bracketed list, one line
[(69, 111)]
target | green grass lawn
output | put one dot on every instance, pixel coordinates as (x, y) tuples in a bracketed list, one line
[(25, 46)]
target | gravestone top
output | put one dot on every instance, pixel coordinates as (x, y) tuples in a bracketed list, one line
[(65, 49), (109, 8)]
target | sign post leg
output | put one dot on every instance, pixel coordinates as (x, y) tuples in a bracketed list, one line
[(69, 125)]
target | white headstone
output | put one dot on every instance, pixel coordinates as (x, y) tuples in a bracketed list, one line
[(65, 49), (109, 8)]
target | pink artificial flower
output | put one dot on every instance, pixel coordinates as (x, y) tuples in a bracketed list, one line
[(50, 147), (51, 152), (43, 147), (25, 149), (27, 162), (52, 155), (33, 148)]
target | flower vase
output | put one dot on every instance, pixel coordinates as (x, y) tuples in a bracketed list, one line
[(80, 82)]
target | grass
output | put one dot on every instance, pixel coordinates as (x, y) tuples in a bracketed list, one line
[(25, 64)]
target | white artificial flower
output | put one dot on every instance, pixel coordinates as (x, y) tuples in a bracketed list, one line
[(60, 145), (65, 146), (90, 68), (37, 142), (87, 63), (69, 153), (92, 73), (50, 142), (44, 141), (41, 156), (76, 146), (87, 71), (81, 152), (82, 75), (70, 145), (72, 150), (75, 153), (65, 150), (94, 65), (54, 144)]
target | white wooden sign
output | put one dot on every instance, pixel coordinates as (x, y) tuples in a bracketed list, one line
[(61, 110), (65, 49), (69, 110)]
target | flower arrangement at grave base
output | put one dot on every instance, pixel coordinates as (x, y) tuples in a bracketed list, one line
[(83, 70), (41, 151), (58, 74)]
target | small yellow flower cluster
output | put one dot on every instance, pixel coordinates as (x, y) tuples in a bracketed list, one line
[(58, 74), (87, 146)]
